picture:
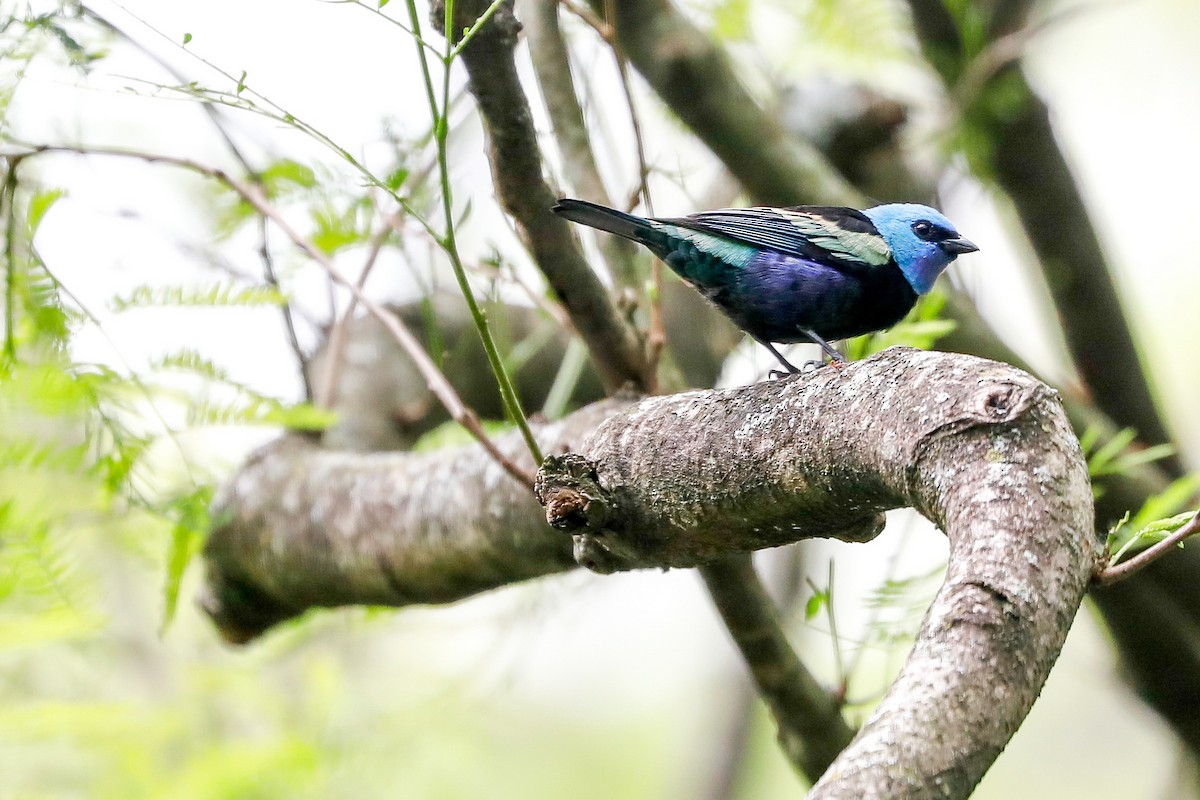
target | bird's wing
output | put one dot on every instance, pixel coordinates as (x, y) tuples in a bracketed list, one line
[(839, 237)]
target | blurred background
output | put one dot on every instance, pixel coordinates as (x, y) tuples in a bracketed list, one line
[(147, 356)]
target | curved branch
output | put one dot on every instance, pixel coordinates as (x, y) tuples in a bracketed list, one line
[(982, 449)]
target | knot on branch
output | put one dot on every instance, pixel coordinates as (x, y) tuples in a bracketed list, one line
[(503, 25), (569, 489)]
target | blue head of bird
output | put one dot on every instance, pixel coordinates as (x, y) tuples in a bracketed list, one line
[(922, 241)]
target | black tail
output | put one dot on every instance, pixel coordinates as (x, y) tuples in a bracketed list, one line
[(606, 219)]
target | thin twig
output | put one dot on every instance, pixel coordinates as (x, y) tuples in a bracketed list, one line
[(656, 337), (9, 196), (253, 195), (448, 241), (264, 250), (289, 320), (337, 334), (1112, 573)]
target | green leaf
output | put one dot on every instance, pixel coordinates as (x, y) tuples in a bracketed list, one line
[(451, 434), (39, 204), (301, 417), (333, 230), (1128, 539), (187, 536), (187, 37), (731, 20), (813, 606), (396, 178), (221, 294), (241, 84), (287, 171), (1161, 514)]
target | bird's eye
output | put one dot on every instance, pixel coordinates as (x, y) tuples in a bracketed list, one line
[(923, 229)]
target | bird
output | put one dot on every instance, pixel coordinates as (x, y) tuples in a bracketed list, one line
[(798, 274)]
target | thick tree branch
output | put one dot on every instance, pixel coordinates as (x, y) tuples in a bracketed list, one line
[(300, 527), (980, 448), (693, 76), (524, 193)]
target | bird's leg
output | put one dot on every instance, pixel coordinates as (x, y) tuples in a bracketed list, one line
[(834, 356), (791, 370)]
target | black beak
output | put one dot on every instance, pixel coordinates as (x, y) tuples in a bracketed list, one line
[(956, 247)]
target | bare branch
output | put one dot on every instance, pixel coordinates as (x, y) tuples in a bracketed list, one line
[(980, 448), (811, 729), (301, 527), (983, 450), (517, 171), (676, 58)]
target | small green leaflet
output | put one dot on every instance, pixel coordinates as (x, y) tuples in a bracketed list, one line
[(219, 294), (39, 204)]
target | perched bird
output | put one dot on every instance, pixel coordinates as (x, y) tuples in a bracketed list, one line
[(802, 274)]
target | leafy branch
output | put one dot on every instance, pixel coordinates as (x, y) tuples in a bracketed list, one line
[(254, 195)]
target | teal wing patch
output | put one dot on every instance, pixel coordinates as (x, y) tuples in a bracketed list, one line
[(721, 247)]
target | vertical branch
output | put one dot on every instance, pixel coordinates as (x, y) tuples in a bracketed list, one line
[(552, 68), (8, 202), (289, 321), (523, 192), (327, 396)]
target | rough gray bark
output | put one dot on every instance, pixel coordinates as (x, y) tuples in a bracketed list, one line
[(982, 449), (300, 527)]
